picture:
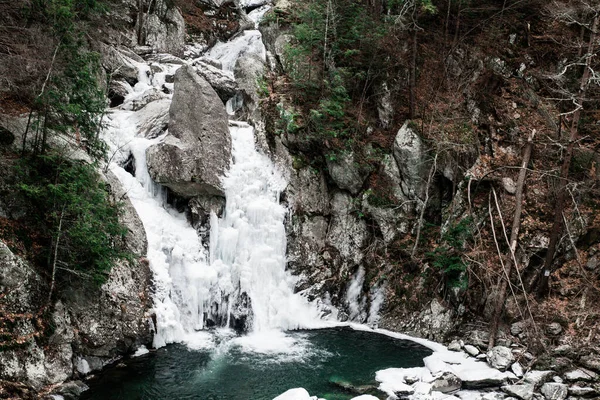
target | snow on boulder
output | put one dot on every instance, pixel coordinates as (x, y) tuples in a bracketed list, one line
[(295, 394)]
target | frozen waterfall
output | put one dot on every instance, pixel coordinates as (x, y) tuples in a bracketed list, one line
[(241, 279)]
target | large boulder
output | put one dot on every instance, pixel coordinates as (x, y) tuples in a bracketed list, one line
[(411, 156), (196, 152)]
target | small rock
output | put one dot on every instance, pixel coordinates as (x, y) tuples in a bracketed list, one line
[(481, 356), (500, 357), (523, 391), (582, 391), (447, 383), (591, 361), (517, 328), (509, 185), (581, 374), (564, 349), (538, 377), (558, 379), (517, 369), (479, 338), (471, 350), (454, 345), (554, 329), (592, 263), (554, 391)]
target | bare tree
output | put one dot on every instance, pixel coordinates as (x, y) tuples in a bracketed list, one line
[(570, 15)]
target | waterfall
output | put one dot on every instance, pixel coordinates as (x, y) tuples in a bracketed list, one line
[(241, 279)]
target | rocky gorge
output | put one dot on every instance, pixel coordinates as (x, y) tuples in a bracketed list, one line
[(177, 87)]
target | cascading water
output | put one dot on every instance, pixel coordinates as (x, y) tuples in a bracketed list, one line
[(243, 275)]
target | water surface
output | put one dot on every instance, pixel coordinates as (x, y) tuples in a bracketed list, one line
[(258, 368)]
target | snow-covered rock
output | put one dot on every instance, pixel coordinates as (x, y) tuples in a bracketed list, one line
[(522, 391), (500, 357), (517, 369), (554, 391), (581, 374), (538, 377), (471, 350), (446, 383), (295, 394), (583, 391)]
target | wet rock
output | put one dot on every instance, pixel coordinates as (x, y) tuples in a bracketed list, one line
[(522, 391), (447, 383), (581, 374), (197, 150), (554, 391), (500, 357), (471, 350), (347, 172)]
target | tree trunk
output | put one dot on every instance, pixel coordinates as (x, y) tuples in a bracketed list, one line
[(544, 275), (514, 236), (413, 76), (54, 261)]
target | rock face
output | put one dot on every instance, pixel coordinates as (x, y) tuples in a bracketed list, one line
[(197, 150), (165, 28), (94, 326)]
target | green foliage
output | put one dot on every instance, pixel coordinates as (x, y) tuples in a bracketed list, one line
[(288, 120), (71, 210), (262, 87), (331, 60), (71, 100), (448, 258)]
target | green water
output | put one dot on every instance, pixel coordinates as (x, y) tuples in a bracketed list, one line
[(230, 370)]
